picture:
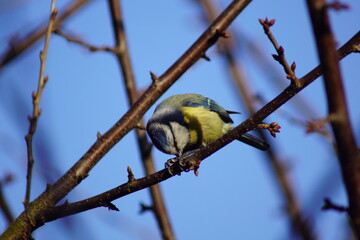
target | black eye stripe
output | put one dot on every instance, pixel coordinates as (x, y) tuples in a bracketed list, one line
[(175, 116), (168, 117)]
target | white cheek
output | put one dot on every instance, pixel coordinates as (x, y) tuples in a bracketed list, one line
[(181, 135)]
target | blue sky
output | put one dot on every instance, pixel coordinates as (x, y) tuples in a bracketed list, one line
[(235, 196)]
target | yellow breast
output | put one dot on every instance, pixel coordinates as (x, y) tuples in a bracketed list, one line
[(205, 126)]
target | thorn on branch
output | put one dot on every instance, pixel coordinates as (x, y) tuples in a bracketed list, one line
[(329, 205), (98, 135), (222, 34), (273, 127), (204, 56), (144, 208), (131, 176), (293, 66), (110, 206), (154, 78)]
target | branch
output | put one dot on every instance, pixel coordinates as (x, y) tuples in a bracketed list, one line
[(135, 185), (348, 153), (28, 222), (127, 188), (80, 42), (123, 57), (36, 104), (18, 46), (280, 57), (329, 205)]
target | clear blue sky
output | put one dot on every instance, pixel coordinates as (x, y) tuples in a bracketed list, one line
[(235, 196)]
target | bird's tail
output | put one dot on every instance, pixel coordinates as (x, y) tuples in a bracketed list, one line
[(254, 141)]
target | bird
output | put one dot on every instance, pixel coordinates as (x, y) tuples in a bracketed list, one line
[(184, 123)]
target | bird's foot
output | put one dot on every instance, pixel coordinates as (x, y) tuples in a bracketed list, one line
[(184, 164)]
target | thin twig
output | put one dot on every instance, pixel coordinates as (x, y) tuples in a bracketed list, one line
[(296, 217), (280, 57), (18, 46), (123, 57), (337, 5), (36, 104), (329, 205), (80, 42), (348, 152)]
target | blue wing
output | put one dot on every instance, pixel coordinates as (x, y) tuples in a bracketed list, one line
[(210, 104)]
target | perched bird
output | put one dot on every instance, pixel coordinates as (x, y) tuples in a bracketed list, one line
[(187, 122)]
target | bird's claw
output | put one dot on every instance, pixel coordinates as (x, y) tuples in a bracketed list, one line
[(183, 163), (169, 163)]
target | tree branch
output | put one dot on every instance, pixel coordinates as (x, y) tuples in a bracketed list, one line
[(280, 57), (36, 104), (80, 42), (123, 57), (32, 219), (348, 153)]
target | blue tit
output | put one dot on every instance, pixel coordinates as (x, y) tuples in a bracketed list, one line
[(186, 122)]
